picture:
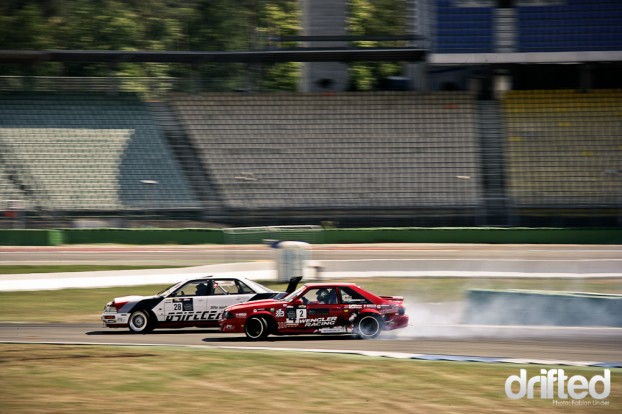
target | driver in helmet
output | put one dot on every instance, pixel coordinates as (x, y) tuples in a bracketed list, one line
[(323, 296)]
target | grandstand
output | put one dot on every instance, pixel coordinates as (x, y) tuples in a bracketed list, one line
[(68, 152), (346, 150), (512, 116), (564, 148)]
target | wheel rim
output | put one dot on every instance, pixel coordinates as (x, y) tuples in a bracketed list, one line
[(138, 321), (369, 326), (254, 328)]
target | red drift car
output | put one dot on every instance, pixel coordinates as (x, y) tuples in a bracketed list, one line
[(317, 308)]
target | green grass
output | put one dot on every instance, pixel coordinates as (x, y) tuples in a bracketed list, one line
[(96, 379)]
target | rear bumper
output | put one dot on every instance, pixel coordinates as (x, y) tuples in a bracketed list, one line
[(396, 322)]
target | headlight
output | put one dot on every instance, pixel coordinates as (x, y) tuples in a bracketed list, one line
[(114, 306), (228, 315)]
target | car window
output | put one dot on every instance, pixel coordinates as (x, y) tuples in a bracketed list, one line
[(243, 287), (294, 294), (193, 288), (323, 295), (226, 287), (350, 296)]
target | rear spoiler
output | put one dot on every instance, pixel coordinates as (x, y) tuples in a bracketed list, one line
[(393, 298), (293, 284)]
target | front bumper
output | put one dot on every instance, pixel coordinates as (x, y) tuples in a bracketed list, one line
[(115, 320), (231, 326)]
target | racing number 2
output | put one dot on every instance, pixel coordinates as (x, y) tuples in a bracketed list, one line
[(301, 314)]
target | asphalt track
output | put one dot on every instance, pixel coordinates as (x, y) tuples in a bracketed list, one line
[(208, 254), (544, 344), (553, 344)]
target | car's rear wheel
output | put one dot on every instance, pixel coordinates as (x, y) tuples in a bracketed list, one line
[(368, 326), (256, 328), (140, 322)]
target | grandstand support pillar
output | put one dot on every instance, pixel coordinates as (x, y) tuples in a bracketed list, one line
[(324, 18), (585, 78), (420, 16), (502, 83), (195, 79), (113, 80), (495, 203), (417, 73)]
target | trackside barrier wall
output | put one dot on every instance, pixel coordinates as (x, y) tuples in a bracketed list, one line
[(329, 236), (31, 237), (530, 307)]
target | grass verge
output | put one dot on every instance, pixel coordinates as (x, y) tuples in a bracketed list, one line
[(95, 379), (86, 305)]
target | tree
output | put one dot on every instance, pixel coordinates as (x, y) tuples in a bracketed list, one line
[(375, 18)]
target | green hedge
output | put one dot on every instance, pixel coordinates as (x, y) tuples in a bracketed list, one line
[(31, 237), (512, 235), (144, 236)]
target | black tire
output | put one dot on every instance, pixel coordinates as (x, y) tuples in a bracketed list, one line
[(256, 328), (368, 326), (140, 322)]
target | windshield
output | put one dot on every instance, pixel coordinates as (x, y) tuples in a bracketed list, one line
[(163, 291), (292, 295)]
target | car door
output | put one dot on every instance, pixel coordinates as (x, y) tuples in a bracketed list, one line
[(226, 292), (187, 304), (319, 310)]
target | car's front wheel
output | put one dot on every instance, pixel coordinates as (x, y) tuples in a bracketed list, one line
[(368, 326), (256, 328), (140, 322)]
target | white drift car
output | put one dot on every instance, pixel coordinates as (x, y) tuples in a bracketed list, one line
[(195, 302)]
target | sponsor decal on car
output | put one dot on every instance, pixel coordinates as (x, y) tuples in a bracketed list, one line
[(328, 321), (183, 304), (336, 329), (193, 316)]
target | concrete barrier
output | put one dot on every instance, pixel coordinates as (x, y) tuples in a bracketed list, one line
[(531, 307)]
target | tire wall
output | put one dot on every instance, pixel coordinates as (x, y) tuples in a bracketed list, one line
[(522, 307)]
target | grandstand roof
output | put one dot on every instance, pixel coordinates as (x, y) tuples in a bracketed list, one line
[(280, 55)]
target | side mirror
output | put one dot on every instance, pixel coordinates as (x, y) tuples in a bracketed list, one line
[(296, 302)]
